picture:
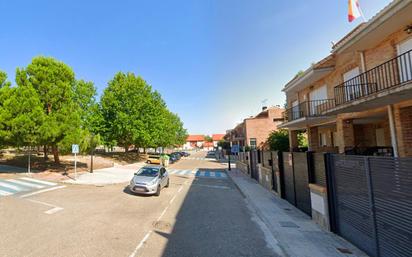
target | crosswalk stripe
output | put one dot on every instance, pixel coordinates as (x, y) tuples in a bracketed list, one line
[(202, 174), (212, 174), (5, 193), (218, 174), (40, 181), (223, 175), (181, 172), (12, 187), (26, 184)]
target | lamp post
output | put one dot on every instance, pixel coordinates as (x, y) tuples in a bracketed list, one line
[(230, 150)]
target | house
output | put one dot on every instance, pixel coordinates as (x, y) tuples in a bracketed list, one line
[(194, 141), (216, 138), (254, 131), (358, 100)]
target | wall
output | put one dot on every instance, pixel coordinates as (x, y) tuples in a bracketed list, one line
[(260, 128)]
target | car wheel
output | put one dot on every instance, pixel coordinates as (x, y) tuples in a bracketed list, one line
[(158, 190), (168, 180)]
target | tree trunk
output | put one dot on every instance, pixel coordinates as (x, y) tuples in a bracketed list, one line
[(45, 152), (55, 151)]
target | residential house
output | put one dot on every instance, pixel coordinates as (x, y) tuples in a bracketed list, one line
[(254, 131), (358, 100), (216, 138), (194, 141)]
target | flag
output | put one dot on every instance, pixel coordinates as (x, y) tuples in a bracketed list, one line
[(354, 10)]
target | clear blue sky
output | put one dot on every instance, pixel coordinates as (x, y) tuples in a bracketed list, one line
[(213, 61)]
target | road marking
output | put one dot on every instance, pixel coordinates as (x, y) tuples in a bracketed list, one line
[(4, 193), (40, 181), (13, 187), (51, 211), (27, 184), (54, 210), (146, 237), (212, 186), (141, 244), (42, 191)]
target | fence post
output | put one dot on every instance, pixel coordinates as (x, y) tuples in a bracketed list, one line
[(311, 167), (330, 189), (372, 204), (281, 190)]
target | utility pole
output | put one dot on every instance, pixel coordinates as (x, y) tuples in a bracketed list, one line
[(92, 153)]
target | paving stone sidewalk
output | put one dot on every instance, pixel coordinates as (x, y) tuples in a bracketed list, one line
[(296, 234)]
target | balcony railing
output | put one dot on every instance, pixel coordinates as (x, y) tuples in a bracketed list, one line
[(312, 108), (390, 74)]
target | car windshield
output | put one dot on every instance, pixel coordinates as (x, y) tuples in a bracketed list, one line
[(148, 172)]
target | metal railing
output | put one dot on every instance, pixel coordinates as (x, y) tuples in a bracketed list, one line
[(312, 108), (392, 73)]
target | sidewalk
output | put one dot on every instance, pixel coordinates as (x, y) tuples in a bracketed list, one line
[(294, 231), (112, 175)]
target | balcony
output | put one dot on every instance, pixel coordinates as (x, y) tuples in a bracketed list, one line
[(306, 113), (385, 84)]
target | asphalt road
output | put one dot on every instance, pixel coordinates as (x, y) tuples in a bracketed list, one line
[(195, 216)]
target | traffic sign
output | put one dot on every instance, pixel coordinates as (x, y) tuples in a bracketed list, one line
[(75, 148), (235, 148)]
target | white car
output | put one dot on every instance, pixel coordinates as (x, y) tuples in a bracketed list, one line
[(149, 180)]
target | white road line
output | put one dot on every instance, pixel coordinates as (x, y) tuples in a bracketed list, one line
[(4, 193), (54, 210), (163, 213), (40, 181), (51, 211), (202, 174), (223, 175), (212, 174), (171, 200), (42, 191), (146, 237), (16, 188), (212, 186), (27, 184), (181, 172), (141, 244)]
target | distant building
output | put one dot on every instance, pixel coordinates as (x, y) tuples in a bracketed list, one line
[(216, 138), (194, 141), (254, 131)]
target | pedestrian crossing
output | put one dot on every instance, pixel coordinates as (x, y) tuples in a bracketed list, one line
[(199, 158), (23, 184), (198, 173)]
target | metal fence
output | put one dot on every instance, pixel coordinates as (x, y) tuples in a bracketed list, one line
[(371, 202)]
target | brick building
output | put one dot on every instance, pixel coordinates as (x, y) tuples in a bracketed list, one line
[(359, 98), (194, 141), (254, 131)]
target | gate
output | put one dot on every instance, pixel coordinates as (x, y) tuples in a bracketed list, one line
[(253, 164), (372, 202), (301, 175)]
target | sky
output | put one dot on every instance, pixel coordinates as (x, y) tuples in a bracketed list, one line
[(213, 61)]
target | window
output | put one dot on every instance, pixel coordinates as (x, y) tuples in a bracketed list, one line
[(404, 62), (253, 143), (322, 139), (352, 85), (316, 96)]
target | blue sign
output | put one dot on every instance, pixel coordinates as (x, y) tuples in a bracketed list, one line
[(235, 148), (75, 148)]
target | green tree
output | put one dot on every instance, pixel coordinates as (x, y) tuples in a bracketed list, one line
[(279, 140), (54, 84), (208, 138)]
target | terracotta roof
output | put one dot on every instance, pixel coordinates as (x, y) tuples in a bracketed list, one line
[(207, 144), (195, 138), (217, 137)]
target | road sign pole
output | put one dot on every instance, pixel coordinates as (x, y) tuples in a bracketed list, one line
[(75, 166), (229, 168), (28, 168)]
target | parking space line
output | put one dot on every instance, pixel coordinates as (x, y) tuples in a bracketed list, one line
[(42, 191), (12, 187)]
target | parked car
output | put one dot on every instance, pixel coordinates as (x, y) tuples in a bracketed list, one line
[(153, 159), (185, 154), (172, 158), (149, 180), (177, 154)]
